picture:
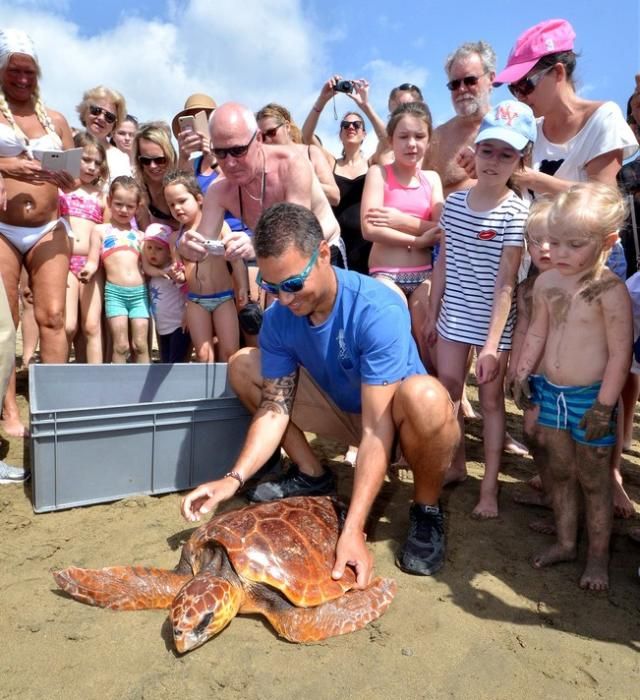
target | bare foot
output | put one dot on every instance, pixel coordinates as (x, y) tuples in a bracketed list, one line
[(622, 505), (530, 497), (596, 574), (553, 555), (454, 477), (512, 447), (545, 526), (468, 412), (487, 507), (14, 427)]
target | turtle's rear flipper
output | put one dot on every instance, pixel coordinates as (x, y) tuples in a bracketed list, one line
[(122, 587), (350, 612)]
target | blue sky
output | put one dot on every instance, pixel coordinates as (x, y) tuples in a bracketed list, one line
[(256, 51)]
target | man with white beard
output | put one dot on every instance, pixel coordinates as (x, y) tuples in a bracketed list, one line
[(471, 70)]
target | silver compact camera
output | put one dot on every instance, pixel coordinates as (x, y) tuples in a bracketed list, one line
[(213, 247)]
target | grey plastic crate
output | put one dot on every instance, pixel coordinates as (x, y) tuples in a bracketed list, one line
[(103, 432)]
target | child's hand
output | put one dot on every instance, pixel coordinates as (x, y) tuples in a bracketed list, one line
[(242, 298), (383, 216), (86, 274), (519, 390), (466, 159), (596, 422), (429, 238), (487, 367), (429, 331)]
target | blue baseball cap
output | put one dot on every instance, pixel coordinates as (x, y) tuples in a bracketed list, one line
[(510, 121)]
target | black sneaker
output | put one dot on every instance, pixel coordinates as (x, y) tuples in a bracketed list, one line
[(293, 483), (423, 552)]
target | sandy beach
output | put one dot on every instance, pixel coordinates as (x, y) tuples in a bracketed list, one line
[(487, 626)]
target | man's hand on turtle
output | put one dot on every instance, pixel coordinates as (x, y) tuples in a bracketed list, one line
[(352, 551)]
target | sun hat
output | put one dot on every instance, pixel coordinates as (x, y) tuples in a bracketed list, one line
[(16, 41), (195, 103), (159, 233), (510, 121), (550, 36)]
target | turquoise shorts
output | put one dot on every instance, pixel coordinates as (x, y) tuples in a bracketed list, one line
[(126, 301), (562, 408), (210, 302)]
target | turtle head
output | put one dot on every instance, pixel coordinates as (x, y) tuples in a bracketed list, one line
[(203, 607)]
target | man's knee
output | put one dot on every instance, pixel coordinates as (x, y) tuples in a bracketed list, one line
[(423, 398), (244, 369)]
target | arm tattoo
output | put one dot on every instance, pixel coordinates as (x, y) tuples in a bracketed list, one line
[(278, 394)]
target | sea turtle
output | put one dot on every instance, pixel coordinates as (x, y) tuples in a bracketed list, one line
[(270, 558)]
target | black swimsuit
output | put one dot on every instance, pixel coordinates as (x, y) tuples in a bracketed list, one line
[(347, 212)]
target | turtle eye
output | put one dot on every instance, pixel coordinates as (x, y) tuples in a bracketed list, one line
[(203, 624)]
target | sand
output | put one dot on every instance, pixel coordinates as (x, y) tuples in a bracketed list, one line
[(486, 626)]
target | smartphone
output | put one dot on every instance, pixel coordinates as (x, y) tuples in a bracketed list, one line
[(61, 160), (187, 123)]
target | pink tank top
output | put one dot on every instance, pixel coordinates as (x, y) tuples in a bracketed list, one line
[(410, 200)]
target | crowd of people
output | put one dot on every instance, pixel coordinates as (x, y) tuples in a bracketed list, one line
[(349, 294)]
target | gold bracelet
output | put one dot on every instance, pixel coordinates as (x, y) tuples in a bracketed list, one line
[(236, 476)]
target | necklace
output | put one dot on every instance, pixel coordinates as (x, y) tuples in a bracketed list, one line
[(260, 199)]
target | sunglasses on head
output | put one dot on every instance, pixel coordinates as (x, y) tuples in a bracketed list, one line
[(409, 86), (235, 151), (291, 285), (147, 160), (357, 125), (527, 85), (270, 133), (96, 111), (468, 80)]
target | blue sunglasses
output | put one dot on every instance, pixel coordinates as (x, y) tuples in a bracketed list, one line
[(293, 284)]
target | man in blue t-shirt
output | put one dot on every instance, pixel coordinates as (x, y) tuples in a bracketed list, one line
[(337, 358)]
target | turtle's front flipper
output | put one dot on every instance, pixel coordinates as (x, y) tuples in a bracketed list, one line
[(350, 612), (122, 587)]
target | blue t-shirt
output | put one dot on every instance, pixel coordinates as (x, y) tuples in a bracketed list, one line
[(366, 340), (204, 181)]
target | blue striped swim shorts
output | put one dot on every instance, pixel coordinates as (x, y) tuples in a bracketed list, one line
[(562, 408)]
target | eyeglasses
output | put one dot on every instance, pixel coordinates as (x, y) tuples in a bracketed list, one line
[(409, 86), (527, 85), (147, 160), (468, 80), (96, 111), (235, 151), (356, 125), (291, 285), (270, 133)]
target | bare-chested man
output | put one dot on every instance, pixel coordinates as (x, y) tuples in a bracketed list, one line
[(256, 175), (470, 70)]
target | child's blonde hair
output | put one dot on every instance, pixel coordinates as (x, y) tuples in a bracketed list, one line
[(591, 207), (539, 213)]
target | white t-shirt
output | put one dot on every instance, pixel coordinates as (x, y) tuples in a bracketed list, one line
[(606, 130), (118, 162), (167, 304), (474, 243)]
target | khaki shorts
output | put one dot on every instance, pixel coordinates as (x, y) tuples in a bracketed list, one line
[(315, 412)]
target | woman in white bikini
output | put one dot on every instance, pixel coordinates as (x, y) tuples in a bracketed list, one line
[(31, 233)]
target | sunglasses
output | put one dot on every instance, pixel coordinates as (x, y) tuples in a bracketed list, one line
[(527, 85), (147, 160), (346, 124), (270, 133), (468, 80), (235, 151), (293, 284), (96, 111), (409, 86)]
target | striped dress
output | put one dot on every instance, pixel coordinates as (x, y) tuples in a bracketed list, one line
[(474, 242)]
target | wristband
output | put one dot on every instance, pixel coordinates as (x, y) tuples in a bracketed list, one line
[(236, 476), (315, 109)]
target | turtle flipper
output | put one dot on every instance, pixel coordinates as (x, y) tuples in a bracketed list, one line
[(351, 612), (122, 587)]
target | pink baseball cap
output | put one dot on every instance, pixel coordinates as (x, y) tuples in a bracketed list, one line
[(159, 233), (550, 36)]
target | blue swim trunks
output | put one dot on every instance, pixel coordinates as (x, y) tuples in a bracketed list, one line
[(126, 301), (562, 408)]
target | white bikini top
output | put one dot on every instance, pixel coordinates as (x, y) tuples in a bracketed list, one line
[(13, 143)]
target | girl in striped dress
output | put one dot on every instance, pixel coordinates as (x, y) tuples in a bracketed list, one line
[(472, 295)]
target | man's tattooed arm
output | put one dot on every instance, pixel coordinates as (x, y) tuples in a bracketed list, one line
[(278, 394)]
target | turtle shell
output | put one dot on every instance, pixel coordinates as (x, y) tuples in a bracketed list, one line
[(289, 544)]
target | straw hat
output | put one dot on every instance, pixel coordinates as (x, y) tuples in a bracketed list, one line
[(195, 103)]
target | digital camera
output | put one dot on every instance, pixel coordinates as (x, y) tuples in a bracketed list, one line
[(214, 247), (343, 86)]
